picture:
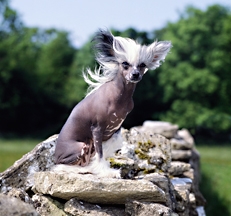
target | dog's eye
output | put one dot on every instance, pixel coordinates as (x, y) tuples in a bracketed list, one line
[(125, 65), (142, 65)]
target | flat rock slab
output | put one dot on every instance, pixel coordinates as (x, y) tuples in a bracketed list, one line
[(96, 190), (146, 209), (10, 206), (39, 159), (76, 207)]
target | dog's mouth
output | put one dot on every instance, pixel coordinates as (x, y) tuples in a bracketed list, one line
[(133, 79)]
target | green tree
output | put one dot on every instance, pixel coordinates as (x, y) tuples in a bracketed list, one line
[(140, 36), (53, 65), (83, 60), (41, 74), (9, 19), (35, 76), (196, 76), (35, 79)]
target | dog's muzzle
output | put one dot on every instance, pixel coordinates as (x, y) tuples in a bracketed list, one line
[(135, 76)]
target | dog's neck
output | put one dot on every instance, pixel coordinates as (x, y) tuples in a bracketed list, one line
[(124, 87)]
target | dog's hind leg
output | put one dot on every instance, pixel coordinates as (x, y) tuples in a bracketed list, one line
[(88, 151), (68, 152)]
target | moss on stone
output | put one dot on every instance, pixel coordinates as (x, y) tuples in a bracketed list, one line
[(115, 164), (141, 154), (145, 146)]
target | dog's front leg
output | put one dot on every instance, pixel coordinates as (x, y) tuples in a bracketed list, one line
[(101, 165), (97, 140)]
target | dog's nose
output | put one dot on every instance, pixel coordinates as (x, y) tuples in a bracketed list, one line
[(135, 74)]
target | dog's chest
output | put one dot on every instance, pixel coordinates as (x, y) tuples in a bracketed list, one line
[(114, 122), (116, 118)]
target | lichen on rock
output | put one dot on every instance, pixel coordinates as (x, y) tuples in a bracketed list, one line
[(149, 152), (160, 175)]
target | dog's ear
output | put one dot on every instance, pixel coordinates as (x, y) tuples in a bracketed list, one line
[(157, 52), (103, 44)]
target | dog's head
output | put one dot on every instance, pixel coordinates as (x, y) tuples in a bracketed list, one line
[(127, 56)]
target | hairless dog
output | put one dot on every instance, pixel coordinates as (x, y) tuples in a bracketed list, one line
[(98, 117)]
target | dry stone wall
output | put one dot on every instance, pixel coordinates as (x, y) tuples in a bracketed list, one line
[(160, 176)]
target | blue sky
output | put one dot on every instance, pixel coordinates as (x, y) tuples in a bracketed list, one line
[(83, 17)]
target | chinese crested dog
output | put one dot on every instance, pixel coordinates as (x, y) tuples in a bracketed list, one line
[(92, 131)]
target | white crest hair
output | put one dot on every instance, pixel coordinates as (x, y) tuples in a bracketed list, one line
[(112, 51)]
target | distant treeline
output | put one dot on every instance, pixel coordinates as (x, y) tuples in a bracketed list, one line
[(41, 74)]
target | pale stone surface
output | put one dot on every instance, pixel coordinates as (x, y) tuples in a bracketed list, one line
[(180, 144), (128, 167), (39, 159), (19, 194), (150, 152), (79, 208), (96, 190), (47, 206), (164, 183), (181, 155), (164, 128), (10, 206), (155, 174), (178, 168), (136, 208), (185, 135), (182, 204), (185, 200), (157, 179)]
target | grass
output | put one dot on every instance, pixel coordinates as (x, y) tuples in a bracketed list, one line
[(215, 170), (13, 149), (215, 179)]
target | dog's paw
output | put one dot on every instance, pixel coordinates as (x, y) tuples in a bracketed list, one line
[(109, 173)]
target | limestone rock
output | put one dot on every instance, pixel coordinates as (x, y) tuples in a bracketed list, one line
[(80, 208), (19, 194), (155, 179), (164, 128), (39, 159), (180, 144), (136, 208), (150, 152), (178, 168), (182, 140), (185, 135), (96, 190), (181, 155), (164, 183), (195, 164), (10, 206), (185, 183), (47, 206), (128, 167), (182, 188), (159, 180), (182, 205)]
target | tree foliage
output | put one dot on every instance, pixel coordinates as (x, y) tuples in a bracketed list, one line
[(196, 76), (35, 76), (41, 74)]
